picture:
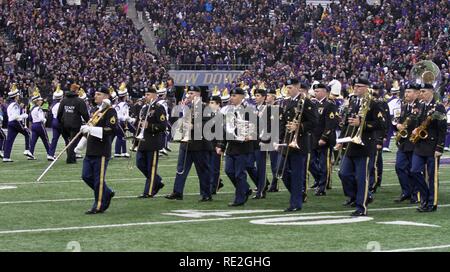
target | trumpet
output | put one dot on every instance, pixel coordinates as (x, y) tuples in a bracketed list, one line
[(297, 120)]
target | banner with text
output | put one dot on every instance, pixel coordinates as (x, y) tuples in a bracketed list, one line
[(204, 78)]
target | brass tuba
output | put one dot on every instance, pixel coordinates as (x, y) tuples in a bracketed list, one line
[(426, 71)]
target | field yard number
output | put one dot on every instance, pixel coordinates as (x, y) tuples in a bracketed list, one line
[(214, 213)]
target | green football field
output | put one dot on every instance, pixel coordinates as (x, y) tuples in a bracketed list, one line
[(50, 216)]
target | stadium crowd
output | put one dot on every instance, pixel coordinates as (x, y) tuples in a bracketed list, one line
[(45, 43), (339, 41), (50, 43)]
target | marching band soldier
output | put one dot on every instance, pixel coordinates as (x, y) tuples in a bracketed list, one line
[(324, 139), (56, 126), (123, 114), (2, 134), (294, 175), (407, 121), (354, 172), (394, 105), (215, 159), (237, 148), (70, 112), (98, 151), (376, 160), (447, 138), (428, 149), (273, 154), (38, 130), (162, 100), (153, 120), (304, 90), (195, 151), (261, 155), (16, 125)]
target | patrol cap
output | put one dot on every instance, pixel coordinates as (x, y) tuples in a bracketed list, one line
[(426, 86), (237, 91), (321, 86), (291, 81), (261, 92), (361, 80)]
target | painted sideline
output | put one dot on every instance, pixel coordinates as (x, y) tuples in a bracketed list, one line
[(185, 221)]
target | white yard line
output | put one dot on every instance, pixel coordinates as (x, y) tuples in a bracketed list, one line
[(41, 230), (408, 223), (72, 169), (142, 179), (164, 178), (88, 199), (416, 248)]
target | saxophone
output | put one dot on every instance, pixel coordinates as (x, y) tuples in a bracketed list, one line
[(404, 132), (422, 133)]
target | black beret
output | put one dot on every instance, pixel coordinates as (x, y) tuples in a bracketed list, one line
[(237, 91), (321, 86), (304, 85), (261, 92), (194, 89), (291, 81), (216, 99), (375, 86), (103, 89), (150, 90), (426, 86), (413, 86), (272, 91), (361, 80)]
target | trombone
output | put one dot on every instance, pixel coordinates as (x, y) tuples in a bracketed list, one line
[(362, 113), (356, 138), (290, 138)]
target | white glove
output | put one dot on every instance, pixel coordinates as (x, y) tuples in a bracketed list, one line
[(81, 145), (131, 120), (44, 121), (106, 103), (23, 116), (85, 129)]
